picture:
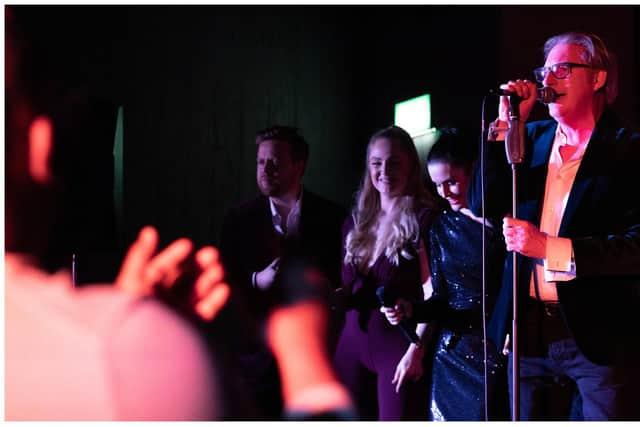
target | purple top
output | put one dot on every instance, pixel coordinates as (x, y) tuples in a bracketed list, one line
[(399, 280)]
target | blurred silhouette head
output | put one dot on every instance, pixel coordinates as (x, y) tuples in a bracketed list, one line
[(32, 191)]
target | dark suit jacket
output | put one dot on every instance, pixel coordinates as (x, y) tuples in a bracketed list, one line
[(602, 219), (249, 242)]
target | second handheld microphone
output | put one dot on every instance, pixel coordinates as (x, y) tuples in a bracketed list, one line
[(387, 300)]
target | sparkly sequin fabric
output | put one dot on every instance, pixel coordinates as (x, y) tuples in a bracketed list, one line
[(457, 390)]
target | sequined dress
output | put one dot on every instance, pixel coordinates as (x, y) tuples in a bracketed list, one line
[(457, 386)]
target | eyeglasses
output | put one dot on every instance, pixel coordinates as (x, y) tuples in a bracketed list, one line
[(561, 70)]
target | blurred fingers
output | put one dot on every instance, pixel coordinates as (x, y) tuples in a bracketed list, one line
[(209, 306), (165, 267), (207, 280), (207, 256), (130, 276)]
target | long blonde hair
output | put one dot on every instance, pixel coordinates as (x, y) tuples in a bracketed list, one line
[(361, 241)]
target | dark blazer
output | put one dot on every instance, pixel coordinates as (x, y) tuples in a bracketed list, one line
[(249, 242), (602, 219)]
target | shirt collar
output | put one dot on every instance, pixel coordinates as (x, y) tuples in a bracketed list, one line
[(296, 207), (294, 215), (560, 140)]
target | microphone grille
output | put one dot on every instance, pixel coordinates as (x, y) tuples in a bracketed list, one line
[(547, 95)]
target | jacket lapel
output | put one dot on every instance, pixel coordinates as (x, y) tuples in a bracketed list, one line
[(593, 155), (542, 148), (306, 212), (537, 174)]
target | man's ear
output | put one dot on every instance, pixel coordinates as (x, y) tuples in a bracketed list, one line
[(40, 149), (599, 80), (301, 165)]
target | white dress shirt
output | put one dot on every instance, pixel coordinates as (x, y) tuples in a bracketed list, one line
[(292, 222), (291, 225)]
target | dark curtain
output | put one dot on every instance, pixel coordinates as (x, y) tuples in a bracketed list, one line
[(196, 82)]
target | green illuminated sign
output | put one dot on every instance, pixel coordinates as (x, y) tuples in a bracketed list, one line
[(414, 115)]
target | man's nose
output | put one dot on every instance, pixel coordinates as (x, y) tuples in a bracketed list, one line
[(269, 167)]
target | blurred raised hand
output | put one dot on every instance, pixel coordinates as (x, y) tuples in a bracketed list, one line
[(296, 332), (146, 273)]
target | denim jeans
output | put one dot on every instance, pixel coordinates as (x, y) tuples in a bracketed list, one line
[(557, 382)]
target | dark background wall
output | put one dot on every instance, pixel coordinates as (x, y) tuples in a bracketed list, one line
[(196, 82)]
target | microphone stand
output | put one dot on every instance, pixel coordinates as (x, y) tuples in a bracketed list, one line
[(73, 271), (514, 147), (515, 153), (515, 368)]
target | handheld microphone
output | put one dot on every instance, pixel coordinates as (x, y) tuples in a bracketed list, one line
[(387, 300), (545, 95), (514, 139)]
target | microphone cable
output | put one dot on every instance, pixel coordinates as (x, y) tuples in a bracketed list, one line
[(483, 140)]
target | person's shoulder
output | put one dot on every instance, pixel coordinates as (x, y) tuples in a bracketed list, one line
[(118, 308), (623, 130), (541, 126), (142, 367), (323, 202), (426, 213), (440, 217), (447, 222), (322, 209), (180, 358), (348, 224)]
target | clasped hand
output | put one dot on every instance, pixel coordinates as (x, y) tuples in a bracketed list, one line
[(523, 237), (266, 277), (398, 312)]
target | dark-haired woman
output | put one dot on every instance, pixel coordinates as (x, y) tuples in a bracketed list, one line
[(455, 239)]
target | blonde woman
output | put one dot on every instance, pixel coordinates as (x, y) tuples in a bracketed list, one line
[(383, 244)]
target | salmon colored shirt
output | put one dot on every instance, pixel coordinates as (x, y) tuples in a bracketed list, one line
[(558, 264)]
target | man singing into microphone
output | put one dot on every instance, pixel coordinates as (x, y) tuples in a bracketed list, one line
[(577, 234)]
